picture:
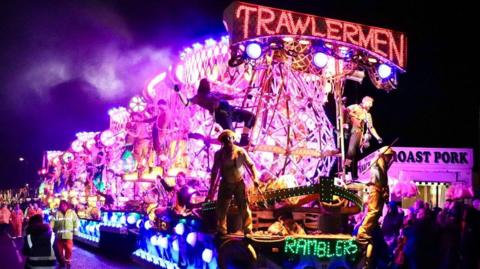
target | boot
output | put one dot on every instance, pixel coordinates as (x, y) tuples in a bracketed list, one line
[(244, 140)]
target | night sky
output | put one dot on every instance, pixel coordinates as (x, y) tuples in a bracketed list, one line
[(63, 64)]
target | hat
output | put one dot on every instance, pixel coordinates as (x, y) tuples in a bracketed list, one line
[(386, 150), (225, 133)]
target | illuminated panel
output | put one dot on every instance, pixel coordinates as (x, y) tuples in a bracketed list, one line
[(322, 248), (247, 21)]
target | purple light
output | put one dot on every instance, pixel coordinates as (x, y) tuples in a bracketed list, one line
[(320, 59), (107, 138), (254, 50), (384, 71)]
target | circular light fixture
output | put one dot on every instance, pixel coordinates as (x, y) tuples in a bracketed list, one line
[(384, 71), (137, 104), (77, 146), (254, 50), (320, 59), (107, 138)]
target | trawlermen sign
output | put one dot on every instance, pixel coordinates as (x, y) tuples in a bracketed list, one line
[(246, 21)]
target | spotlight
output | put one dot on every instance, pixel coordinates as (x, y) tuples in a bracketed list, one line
[(207, 255), (107, 138), (320, 59), (384, 71), (254, 50), (137, 104)]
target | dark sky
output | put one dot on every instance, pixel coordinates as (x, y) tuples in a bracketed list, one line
[(64, 63)]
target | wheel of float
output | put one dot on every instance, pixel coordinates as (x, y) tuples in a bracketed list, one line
[(236, 253)]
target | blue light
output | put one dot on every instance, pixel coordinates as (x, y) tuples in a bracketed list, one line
[(192, 239), (131, 219), (254, 50), (154, 240), (147, 225), (175, 245), (320, 59), (179, 228), (207, 255), (384, 71)]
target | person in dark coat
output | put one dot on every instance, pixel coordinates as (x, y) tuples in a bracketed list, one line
[(38, 244)]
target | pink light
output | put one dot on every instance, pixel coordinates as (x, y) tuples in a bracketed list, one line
[(77, 146), (179, 73), (107, 138), (151, 85), (90, 143)]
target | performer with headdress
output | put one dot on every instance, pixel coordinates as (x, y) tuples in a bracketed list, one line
[(228, 162), (378, 192)]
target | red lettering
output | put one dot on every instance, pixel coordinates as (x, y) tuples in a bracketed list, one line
[(283, 22), (350, 31), (396, 51), (246, 18), (334, 29), (297, 27), (378, 41), (366, 41), (314, 28), (262, 27)]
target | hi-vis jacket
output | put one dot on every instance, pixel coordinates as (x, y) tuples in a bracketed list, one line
[(65, 225)]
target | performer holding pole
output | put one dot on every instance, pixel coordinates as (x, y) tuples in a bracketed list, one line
[(378, 192), (224, 114), (228, 162), (359, 116)]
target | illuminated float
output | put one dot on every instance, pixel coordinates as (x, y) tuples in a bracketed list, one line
[(282, 65)]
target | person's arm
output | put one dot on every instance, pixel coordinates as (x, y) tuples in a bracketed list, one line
[(372, 129), (251, 166), (183, 99), (214, 175)]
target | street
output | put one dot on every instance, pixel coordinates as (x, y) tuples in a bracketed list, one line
[(83, 256)]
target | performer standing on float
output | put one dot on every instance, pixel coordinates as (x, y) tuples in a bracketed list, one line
[(378, 192), (224, 114), (228, 161), (359, 116)]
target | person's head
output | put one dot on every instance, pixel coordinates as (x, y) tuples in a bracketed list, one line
[(35, 220), (227, 137), (387, 153), (16, 206), (162, 103), (421, 214), (203, 87), (367, 102), (287, 218), (392, 207), (63, 206), (180, 179), (419, 204)]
